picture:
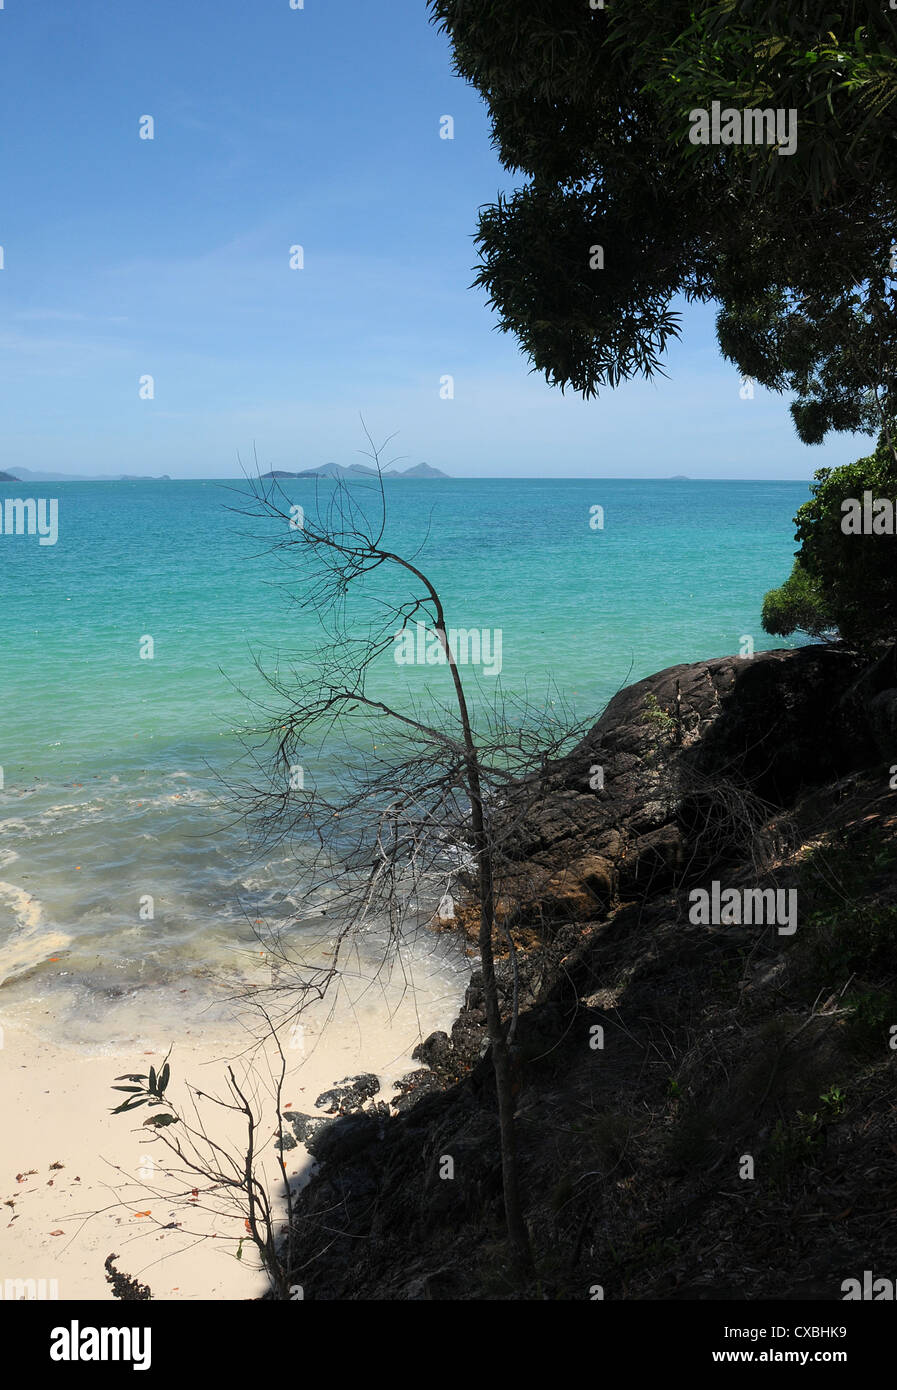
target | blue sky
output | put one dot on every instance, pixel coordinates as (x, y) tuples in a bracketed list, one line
[(170, 258)]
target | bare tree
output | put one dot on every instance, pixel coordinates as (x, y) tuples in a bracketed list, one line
[(436, 798), (420, 807)]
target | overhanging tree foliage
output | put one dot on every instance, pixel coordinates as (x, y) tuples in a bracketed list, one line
[(621, 212)]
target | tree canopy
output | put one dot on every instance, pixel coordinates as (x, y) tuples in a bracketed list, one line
[(620, 212)]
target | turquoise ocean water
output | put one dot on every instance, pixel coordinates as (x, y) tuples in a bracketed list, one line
[(115, 767)]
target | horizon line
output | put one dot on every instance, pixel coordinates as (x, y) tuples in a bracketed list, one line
[(446, 478)]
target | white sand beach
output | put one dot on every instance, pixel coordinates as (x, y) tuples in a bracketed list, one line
[(78, 1184)]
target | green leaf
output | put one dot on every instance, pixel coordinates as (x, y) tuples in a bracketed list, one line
[(152, 1079), (129, 1077), (135, 1090), (160, 1121), (128, 1105), (163, 1077)]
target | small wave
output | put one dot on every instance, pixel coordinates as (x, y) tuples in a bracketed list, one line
[(190, 796), (12, 823), (31, 942)]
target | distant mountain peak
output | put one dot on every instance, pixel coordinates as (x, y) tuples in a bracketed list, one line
[(358, 470), (39, 475), (423, 470)]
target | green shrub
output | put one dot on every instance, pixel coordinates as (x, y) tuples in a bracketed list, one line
[(853, 576), (798, 605)]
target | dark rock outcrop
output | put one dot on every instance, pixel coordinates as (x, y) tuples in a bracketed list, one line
[(414, 1086), (349, 1095), (676, 772), (627, 1151)]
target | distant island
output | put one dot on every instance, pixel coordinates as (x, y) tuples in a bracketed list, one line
[(29, 475), (359, 470), (679, 478)]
